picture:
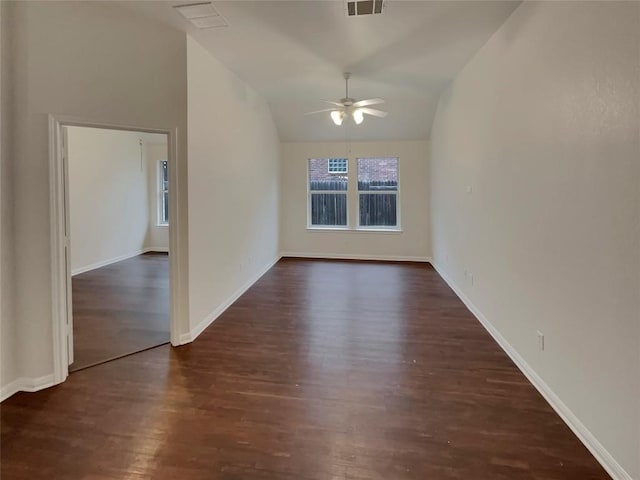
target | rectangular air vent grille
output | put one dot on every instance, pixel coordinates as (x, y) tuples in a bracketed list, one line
[(202, 15), (364, 7)]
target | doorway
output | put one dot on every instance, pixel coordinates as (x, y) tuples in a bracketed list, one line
[(114, 278), (119, 243)]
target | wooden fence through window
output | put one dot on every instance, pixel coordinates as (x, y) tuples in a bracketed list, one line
[(376, 209)]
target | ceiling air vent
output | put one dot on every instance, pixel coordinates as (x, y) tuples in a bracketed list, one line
[(364, 7), (202, 15)]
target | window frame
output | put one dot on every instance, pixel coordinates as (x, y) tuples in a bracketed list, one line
[(352, 194), (310, 192), (378, 228), (161, 192)]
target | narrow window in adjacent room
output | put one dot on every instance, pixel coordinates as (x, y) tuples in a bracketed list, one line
[(378, 193), (163, 193), (327, 199)]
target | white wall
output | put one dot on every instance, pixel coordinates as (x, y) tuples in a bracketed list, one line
[(108, 196), (412, 243), (157, 235), (8, 323), (543, 124), (95, 61), (233, 181)]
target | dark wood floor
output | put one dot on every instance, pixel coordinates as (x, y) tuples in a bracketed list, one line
[(120, 309), (321, 371)]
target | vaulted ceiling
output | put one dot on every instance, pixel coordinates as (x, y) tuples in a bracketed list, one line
[(294, 54)]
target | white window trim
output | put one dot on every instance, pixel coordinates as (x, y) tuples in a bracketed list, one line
[(379, 228), (310, 226), (350, 194), (160, 195), (320, 228)]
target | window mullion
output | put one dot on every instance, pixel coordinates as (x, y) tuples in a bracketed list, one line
[(352, 194)]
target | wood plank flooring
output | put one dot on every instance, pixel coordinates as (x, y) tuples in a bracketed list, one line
[(120, 309), (323, 370)]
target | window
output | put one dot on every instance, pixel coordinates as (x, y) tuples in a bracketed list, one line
[(337, 165), (163, 193), (378, 192), (328, 192)]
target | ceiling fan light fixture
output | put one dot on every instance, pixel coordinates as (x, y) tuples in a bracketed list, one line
[(337, 117), (358, 116), (350, 108)]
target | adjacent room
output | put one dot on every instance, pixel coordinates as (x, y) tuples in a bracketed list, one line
[(118, 210), (404, 240)]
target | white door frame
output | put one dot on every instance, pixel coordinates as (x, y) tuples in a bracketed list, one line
[(60, 269)]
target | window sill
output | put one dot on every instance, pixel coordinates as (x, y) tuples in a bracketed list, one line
[(378, 230), (355, 230), (162, 225), (329, 229)]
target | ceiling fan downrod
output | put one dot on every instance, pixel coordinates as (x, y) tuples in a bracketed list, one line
[(347, 76)]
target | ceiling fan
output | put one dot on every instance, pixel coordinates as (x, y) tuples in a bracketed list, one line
[(349, 107)]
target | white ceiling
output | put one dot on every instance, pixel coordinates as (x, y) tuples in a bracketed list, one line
[(294, 54)]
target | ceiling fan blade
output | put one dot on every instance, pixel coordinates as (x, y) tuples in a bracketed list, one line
[(337, 104), (370, 101), (374, 112), (322, 111)]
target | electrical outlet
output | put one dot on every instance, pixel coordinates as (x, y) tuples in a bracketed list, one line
[(540, 340)]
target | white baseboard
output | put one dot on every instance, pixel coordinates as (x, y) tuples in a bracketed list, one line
[(209, 319), (156, 249), (26, 384), (601, 454), (109, 261), (341, 256)]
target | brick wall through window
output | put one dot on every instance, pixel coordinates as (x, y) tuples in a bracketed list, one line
[(378, 169)]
